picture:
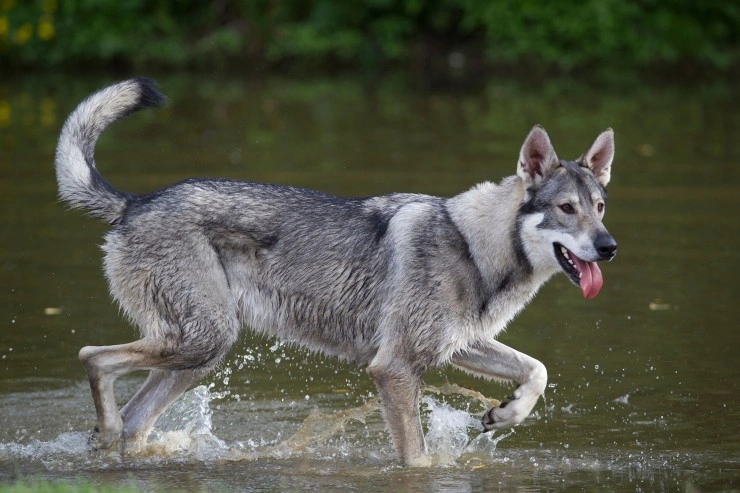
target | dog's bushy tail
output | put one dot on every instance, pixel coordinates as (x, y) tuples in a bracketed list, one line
[(80, 183)]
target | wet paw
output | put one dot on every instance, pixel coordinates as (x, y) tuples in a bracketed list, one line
[(497, 418), (509, 413), (103, 441)]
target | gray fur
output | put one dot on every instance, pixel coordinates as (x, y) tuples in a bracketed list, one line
[(399, 283)]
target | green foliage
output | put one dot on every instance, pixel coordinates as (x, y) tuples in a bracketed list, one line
[(572, 33), (565, 35)]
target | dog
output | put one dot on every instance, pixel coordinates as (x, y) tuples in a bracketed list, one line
[(398, 283)]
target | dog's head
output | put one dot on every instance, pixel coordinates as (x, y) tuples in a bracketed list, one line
[(560, 217)]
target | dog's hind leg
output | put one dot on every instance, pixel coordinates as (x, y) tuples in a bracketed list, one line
[(175, 289), (496, 361), (103, 365), (161, 388), (174, 368), (399, 386)]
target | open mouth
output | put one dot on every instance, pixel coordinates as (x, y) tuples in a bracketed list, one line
[(585, 275)]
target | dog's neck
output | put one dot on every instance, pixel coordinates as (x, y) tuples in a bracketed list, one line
[(486, 216)]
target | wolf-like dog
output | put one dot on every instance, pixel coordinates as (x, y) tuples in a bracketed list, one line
[(398, 283)]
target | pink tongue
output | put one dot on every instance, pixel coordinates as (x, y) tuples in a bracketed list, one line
[(591, 280)]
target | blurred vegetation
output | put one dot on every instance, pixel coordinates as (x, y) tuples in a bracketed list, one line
[(235, 34)]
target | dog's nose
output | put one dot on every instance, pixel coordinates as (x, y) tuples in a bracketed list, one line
[(605, 246)]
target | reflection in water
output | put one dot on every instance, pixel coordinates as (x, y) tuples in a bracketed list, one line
[(643, 380)]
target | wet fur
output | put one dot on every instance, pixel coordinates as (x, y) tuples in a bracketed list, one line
[(398, 283)]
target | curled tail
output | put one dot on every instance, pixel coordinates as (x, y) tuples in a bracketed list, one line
[(80, 183)]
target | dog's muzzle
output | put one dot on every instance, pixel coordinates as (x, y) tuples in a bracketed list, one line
[(606, 246)]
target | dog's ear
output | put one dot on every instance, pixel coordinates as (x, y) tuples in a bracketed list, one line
[(536, 157), (600, 155)]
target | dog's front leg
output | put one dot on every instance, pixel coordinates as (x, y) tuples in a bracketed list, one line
[(496, 361), (399, 387)]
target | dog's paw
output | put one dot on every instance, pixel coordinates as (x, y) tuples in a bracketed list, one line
[(104, 440), (509, 413)]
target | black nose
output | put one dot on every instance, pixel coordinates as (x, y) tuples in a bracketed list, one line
[(606, 246)]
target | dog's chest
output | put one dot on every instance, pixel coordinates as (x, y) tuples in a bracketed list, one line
[(489, 323)]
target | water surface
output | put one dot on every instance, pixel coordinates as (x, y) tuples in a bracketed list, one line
[(644, 379)]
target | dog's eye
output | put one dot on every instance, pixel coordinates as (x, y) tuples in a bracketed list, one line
[(567, 208), (600, 207)]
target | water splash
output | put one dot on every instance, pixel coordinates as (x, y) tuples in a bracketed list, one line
[(185, 433), (319, 427), (482, 449), (448, 434), (455, 436), (455, 390), (60, 454), (187, 428)]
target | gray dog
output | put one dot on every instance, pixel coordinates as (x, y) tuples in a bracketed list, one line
[(399, 283)]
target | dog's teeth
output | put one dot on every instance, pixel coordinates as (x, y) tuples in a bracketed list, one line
[(566, 254)]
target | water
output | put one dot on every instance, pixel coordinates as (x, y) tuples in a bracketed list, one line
[(643, 390)]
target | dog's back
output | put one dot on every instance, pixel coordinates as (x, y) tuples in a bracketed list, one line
[(298, 264)]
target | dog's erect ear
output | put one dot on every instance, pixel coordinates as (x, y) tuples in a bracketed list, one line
[(536, 157), (600, 155)]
